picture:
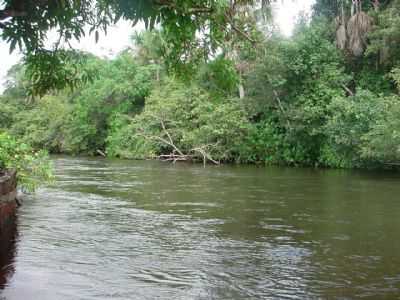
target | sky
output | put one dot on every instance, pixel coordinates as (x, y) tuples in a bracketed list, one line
[(118, 37)]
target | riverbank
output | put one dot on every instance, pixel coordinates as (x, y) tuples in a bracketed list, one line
[(8, 195), (8, 205), (173, 158)]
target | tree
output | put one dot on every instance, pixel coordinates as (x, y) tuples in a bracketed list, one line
[(181, 122), (25, 23)]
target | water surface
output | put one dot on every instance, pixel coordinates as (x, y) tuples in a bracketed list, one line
[(113, 229)]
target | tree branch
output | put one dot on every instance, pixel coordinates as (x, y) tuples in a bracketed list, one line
[(205, 155), (245, 35), (154, 137), (229, 17), (347, 90), (169, 137), (191, 10)]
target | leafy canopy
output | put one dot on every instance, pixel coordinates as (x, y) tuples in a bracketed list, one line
[(187, 25)]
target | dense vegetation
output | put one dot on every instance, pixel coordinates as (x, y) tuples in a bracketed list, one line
[(33, 167), (328, 96), (186, 25)]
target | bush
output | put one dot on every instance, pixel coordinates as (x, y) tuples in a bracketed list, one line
[(33, 168), (349, 120), (120, 88), (43, 126), (382, 142)]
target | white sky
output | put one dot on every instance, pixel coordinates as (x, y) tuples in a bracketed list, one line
[(287, 11), (118, 37)]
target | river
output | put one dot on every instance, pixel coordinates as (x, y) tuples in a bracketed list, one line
[(115, 229)]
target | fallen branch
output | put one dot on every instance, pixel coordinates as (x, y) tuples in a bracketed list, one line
[(101, 153), (170, 138), (347, 90), (188, 157), (205, 155), (174, 157), (177, 154)]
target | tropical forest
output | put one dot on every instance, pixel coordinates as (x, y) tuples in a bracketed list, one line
[(325, 97), (216, 156)]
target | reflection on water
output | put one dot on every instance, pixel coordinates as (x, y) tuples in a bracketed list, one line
[(148, 230), (8, 237)]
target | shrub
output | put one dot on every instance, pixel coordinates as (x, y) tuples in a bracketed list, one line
[(33, 168)]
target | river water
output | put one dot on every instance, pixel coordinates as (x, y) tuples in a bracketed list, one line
[(114, 229)]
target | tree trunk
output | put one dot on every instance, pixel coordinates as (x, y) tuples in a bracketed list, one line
[(241, 91)]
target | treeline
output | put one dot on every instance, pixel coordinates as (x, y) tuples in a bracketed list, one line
[(320, 98)]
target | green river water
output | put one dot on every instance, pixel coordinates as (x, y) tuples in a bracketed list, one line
[(114, 229)]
